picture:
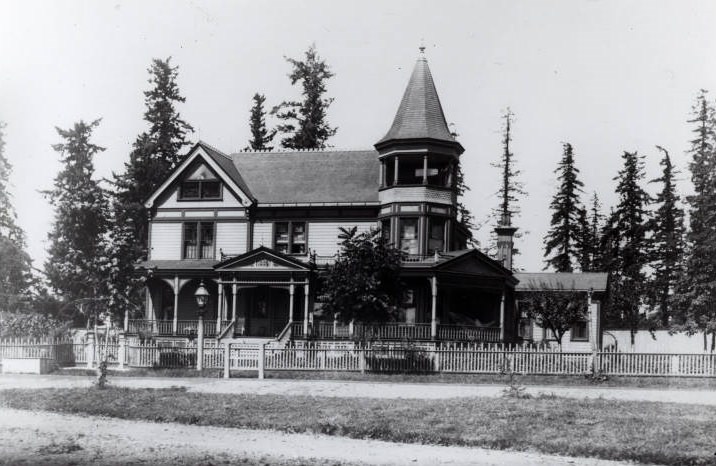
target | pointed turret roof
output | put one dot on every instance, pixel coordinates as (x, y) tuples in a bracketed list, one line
[(420, 115)]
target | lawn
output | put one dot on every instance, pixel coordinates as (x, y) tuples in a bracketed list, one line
[(661, 433)]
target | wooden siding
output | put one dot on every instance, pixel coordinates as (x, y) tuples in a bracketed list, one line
[(323, 236), (166, 241), (231, 237), (263, 235)]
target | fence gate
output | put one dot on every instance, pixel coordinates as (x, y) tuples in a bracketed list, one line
[(244, 356)]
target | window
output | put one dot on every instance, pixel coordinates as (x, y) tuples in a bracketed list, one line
[(436, 240), (290, 237), (385, 229), (200, 189), (409, 235), (580, 331), (199, 240)]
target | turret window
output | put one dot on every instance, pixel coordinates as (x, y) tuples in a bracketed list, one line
[(436, 238), (409, 235)]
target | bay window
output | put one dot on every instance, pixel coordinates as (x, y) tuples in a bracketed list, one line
[(436, 235), (409, 235)]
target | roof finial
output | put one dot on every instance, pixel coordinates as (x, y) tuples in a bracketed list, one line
[(422, 46)]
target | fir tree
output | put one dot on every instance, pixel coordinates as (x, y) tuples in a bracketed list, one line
[(260, 136), (154, 155), (562, 240), (667, 240), (76, 267), (696, 296), (628, 230), (306, 123), (595, 226), (15, 264), (585, 245)]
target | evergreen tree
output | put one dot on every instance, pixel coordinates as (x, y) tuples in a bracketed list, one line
[(77, 265), (154, 155), (305, 123), (464, 216), (628, 230), (696, 296), (595, 226), (15, 264), (585, 245), (667, 240), (260, 136), (562, 240)]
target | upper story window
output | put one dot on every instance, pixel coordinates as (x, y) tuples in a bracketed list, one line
[(385, 230), (200, 190), (198, 240), (436, 238), (409, 235), (290, 237)]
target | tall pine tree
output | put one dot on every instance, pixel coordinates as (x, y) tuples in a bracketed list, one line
[(628, 231), (15, 263), (77, 265), (305, 124), (562, 240), (666, 240), (154, 154), (696, 296), (596, 219), (260, 136)]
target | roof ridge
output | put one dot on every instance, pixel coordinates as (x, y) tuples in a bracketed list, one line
[(218, 151), (289, 151)]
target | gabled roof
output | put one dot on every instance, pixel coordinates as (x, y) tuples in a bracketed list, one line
[(262, 258), (420, 115), (595, 281), (227, 164), (310, 176)]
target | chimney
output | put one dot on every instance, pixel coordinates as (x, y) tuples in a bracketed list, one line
[(505, 236)]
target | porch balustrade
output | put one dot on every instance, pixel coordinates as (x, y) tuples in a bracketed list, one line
[(395, 331), (468, 333), (166, 327)]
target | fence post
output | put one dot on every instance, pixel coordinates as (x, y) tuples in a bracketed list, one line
[(361, 362), (227, 361), (436, 357), (122, 350), (126, 320), (90, 349), (262, 355)]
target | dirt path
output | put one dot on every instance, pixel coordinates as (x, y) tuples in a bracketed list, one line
[(356, 389), (48, 438)]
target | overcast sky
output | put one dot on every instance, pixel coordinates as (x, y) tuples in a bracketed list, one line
[(607, 76)]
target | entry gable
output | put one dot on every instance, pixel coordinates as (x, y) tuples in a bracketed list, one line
[(262, 259), (204, 160), (474, 262)]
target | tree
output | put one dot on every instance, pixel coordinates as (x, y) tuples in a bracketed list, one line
[(464, 216), (154, 155), (596, 219), (585, 245), (364, 282), (666, 245), (563, 236), (77, 265), (260, 136), (15, 264), (628, 230), (696, 296), (556, 310), (305, 123)]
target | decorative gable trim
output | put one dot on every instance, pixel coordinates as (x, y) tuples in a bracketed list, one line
[(264, 259), (198, 152)]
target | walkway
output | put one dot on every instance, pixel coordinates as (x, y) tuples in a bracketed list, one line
[(358, 389)]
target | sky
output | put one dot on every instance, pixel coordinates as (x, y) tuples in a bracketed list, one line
[(606, 76)]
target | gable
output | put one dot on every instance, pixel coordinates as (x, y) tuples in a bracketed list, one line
[(200, 162), (261, 259)]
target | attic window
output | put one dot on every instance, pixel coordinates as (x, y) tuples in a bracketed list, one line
[(200, 189)]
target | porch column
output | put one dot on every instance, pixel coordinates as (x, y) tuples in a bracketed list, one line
[(219, 306), (502, 317), (305, 310), (395, 175), (291, 291), (434, 315), (425, 169), (175, 324), (233, 302)]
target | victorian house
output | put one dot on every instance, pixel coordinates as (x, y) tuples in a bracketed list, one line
[(256, 227)]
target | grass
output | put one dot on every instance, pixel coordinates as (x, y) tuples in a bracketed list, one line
[(660, 433), (569, 380)]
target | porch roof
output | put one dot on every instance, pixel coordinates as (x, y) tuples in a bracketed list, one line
[(199, 264), (595, 281)]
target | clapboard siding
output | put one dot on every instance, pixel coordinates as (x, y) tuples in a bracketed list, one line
[(166, 241), (323, 236), (263, 235), (231, 237)]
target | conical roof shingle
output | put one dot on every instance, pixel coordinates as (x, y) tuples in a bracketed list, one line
[(420, 114)]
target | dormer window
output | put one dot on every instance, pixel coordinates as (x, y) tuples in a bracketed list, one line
[(200, 190)]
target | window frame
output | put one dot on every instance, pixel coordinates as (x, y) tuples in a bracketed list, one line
[(198, 240), (201, 196), (401, 220), (290, 237), (573, 337), (429, 235)]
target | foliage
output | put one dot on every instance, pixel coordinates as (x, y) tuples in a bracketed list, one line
[(364, 284), (154, 155), (556, 310), (305, 124), (30, 325), (77, 265), (696, 295), (562, 240), (464, 216), (593, 249), (666, 244), (260, 136), (628, 256)]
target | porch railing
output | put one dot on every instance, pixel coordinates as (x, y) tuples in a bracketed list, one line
[(468, 333), (166, 327), (395, 331)]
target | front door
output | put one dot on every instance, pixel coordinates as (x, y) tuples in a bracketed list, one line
[(268, 311)]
